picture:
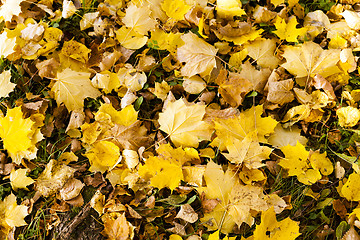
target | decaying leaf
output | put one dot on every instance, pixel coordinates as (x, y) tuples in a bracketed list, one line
[(116, 226), (53, 178)]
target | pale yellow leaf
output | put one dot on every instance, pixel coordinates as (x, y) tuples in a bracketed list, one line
[(198, 55), (308, 59), (263, 52), (19, 180), (138, 19), (348, 116), (229, 8), (6, 86), (12, 214), (71, 88), (6, 44), (130, 39), (10, 8)]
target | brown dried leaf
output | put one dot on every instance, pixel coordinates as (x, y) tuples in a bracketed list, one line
[(187, 213), (116, 226), (71, 189)]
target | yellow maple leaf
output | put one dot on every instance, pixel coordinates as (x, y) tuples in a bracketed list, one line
[(247, 151), (19, 180), (307, 167), (138, 19), (309, 59), (229, 8), (125, 116), (17, 134), (12, 214), (237, 203), (263, 52), (165, 170), (184, 123), (198, 55), (6, 86), (71, 88), (103, 156), (270, 228), (175, 9), (241, 125), (166, 41), (10, 8), (288, 31), (161, 172)]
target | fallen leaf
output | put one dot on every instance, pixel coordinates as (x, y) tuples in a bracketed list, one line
[(6, 86), (10, 8), (263, 52), (187, 213), (103, 156), (138, 19), (19, 180), (71, 88), (348, 116), (198, 55), (116, 226), (308, 59), (270, 228), (184, 123), (288, 31)]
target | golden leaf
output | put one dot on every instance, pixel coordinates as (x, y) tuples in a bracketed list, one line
[(103, 156), (71, 88), (288, 31), (18, 134), (184, 123), (138, 19), (270, 228), (175, 9)]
